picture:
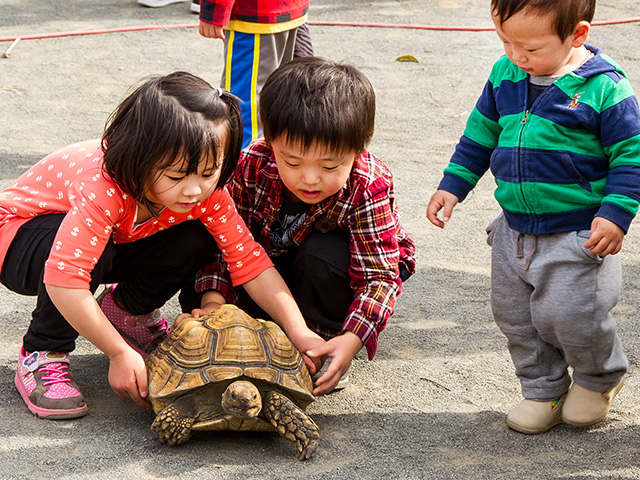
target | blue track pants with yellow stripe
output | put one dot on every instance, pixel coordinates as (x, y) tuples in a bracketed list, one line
[(249, 58)]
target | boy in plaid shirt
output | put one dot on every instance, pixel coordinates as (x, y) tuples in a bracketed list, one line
[(323, 208)]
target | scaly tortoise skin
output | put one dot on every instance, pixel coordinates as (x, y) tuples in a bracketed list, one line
[(229, 371)]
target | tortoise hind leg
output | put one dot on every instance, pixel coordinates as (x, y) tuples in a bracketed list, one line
[(292, 423), (173, 424)]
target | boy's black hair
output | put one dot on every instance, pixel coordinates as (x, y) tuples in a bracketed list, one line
[(168, 118), (315, 101), (567, 13)]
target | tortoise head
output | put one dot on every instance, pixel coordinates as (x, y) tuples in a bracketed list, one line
[(242, 400)]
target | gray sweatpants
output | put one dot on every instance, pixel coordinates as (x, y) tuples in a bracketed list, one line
[(552, 299)]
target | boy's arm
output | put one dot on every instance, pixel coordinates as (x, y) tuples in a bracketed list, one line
[(211, 300), (242, 186), (341, 349), (210, 31), (606, 237), (374, 272), (374, 263), (215, 277)]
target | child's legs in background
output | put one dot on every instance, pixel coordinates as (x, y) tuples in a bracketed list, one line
[(540, 365), (304, 45), (248, 60)]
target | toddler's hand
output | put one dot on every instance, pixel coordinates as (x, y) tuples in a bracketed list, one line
[(439, 201), (128, 377), (606, 237)]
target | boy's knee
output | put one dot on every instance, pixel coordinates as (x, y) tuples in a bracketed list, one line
[(321, 273), (331, 248)]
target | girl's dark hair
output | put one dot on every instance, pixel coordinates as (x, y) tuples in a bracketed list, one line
[(313, 100), (169, 118), (567, 13)]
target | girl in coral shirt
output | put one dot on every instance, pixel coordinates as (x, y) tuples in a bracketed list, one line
[(143, 208)]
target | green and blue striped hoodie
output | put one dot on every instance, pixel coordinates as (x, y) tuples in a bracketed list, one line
[(574, 155)]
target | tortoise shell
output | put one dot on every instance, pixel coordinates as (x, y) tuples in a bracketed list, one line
[(223, 346)]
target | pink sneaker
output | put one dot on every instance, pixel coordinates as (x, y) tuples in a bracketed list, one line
[(47, 387), (142, 332)]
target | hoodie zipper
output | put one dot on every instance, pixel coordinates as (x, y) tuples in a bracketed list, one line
[(520, 160)]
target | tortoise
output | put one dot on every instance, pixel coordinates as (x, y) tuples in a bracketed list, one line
[(229, 371)]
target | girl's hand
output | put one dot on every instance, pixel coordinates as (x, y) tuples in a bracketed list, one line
[(606, 237), (128, 377), (311, 342), (341, 349), (127, 373), (441, 200)]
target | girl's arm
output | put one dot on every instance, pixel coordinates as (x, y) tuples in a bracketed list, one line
[(270, 292), (127, 372)]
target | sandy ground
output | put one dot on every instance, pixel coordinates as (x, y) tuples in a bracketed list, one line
[(433, 402)]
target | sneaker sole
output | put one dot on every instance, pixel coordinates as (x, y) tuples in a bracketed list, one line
[(590, 424), (531, 431), (342, 383), (49, 414)]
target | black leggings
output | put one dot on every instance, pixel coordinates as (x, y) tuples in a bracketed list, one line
[(148, 271)]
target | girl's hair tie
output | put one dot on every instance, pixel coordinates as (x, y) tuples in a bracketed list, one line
[(220, 91)]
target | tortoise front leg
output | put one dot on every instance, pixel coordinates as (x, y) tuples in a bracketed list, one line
[(292, 423), (173, 424)]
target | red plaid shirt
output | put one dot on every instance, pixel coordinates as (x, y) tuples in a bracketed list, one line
[(365, 207), (221, 12)]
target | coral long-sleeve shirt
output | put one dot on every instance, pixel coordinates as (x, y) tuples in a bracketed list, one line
[(72, 181)]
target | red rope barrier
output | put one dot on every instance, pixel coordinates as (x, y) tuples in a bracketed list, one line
[(313, 22)]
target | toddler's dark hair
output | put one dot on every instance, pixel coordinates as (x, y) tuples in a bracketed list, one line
[(167, 119), (567, 13), (312, 100)]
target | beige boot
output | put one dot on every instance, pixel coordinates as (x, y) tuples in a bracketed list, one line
[(534, 417), (584, 408)]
